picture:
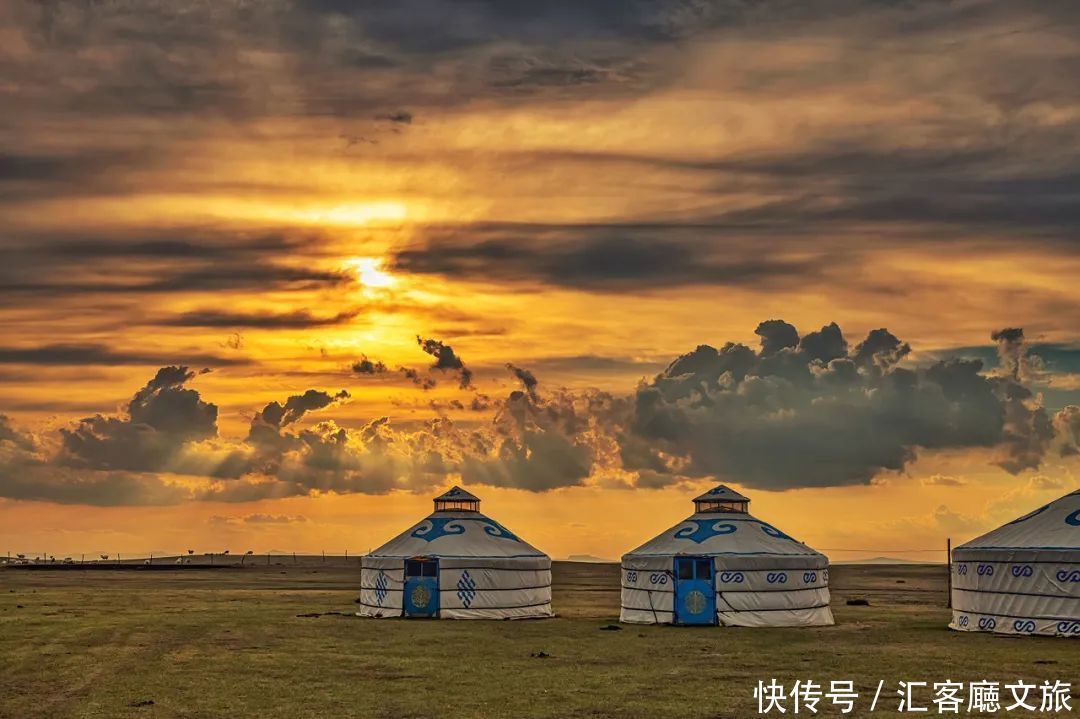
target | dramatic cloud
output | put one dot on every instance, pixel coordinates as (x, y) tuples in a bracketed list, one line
[(527, 378), (368, 366), (841, 418), (267, 424), (602, 258), (259, 320), (542, 443), (446, 360), (160, 420), (424, 383), (96, 354)]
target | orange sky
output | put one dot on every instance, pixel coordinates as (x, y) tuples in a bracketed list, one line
[(584, 191)]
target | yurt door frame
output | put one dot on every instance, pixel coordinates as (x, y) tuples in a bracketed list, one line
[(421, 597), (695, 590)]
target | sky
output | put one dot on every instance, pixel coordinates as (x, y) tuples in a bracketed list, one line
[(273, 274)]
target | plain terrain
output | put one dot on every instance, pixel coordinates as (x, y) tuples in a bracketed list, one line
[(238, 643)]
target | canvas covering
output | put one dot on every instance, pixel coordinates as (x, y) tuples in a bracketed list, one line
[(485, 571), (763, 577), (1023, 577)]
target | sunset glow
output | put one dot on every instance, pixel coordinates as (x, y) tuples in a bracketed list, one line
[(320, 271)]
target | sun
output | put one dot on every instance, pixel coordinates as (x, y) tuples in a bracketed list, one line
[(369, 271)]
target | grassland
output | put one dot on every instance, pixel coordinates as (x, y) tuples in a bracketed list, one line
[(216, 644)]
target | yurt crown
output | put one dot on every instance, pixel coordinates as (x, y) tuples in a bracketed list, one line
[(457, 499), (722, 499)]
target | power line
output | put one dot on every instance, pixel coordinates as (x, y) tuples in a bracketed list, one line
[(834, 549)]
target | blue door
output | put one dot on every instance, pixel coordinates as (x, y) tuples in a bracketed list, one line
[(421, 598), (695, 591)]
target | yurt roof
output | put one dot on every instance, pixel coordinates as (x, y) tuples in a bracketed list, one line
[(721, 493), (461, 533), (709, 533), (1053, 526), (456, 493)]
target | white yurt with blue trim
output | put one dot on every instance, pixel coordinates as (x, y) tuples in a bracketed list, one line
[(456, 563), (722, 566), (1024, 577)]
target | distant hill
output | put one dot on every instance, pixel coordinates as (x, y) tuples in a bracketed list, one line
[(588, 558)]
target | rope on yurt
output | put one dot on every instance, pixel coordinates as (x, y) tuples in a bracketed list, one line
[(649, 592)]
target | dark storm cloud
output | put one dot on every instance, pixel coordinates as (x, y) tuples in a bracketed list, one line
[(528, 379), (175, 244), (35, 176), (839, 418), (446, 360), (159, 421), (1010, 349), (541, 443), (95, 354), (105, 489), (71, 266), (424, 383), (207, 279), (805, 410), (603, 258), (280, 415), (171, 55), (364, 365), (259, 320)]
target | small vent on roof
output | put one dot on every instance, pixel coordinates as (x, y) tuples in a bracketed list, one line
[(721, 499), (457, 499)]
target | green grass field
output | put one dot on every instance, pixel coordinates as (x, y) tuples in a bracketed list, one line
[(217, 644)]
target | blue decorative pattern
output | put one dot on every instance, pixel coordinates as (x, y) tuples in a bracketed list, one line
[(1073, 519), (466, 589), (1029, 515), (773, 531), (1066, 576), (704, 529), (497, 530), (438, 527), (380, 588), (435, 527)]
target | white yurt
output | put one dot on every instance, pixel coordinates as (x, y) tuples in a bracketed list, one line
[(1023, 577), (723, 566), (456, 564)]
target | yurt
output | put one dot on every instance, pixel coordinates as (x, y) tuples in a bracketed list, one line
[(456, 563), (1023, 577), (723, 566)]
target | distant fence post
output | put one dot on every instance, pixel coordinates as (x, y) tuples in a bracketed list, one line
[(294, 557), (948, 562), (268, 559)]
